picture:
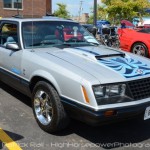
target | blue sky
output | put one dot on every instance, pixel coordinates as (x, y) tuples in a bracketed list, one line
[(73, 5)]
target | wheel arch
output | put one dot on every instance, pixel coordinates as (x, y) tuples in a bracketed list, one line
[(142, 43), (47, 78), (136, 43)]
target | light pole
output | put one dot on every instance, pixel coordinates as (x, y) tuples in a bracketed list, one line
[(95, 12), (80, 9), (18, 7)]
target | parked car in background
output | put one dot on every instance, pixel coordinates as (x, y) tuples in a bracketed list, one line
[(126, 24), (143, 21), (109, 37), (107, 34), (91, 28), (102, 24), (135, 40)]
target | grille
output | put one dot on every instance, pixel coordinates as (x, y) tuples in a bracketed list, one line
[(140, 89)]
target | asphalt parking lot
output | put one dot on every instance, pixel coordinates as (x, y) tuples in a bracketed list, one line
[(18, 123)]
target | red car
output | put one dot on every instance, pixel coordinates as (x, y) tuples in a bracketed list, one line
[(136, 41)]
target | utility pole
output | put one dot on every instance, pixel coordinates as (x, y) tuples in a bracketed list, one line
[(95, 12), (80, 9), (18, 8)]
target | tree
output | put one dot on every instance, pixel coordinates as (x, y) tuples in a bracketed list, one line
[(62, 11), (91, 19), (125, 9), (101, 14), (107, 2)]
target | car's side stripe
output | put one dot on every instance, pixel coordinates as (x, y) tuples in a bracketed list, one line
[(15, 81), (16, 71), (13, 73)]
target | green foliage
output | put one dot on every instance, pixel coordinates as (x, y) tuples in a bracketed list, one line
[(62, 11), (107, 2), (124, 9), (90, 20), (102, 13)]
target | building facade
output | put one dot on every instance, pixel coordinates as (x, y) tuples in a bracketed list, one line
[(81, 19), (28, 8)]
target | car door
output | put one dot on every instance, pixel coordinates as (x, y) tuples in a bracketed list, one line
[(10, 60)]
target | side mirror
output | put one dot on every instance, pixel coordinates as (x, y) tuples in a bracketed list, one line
[(12, 46)]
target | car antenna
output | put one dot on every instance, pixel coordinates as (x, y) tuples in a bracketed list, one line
[(32, 28)]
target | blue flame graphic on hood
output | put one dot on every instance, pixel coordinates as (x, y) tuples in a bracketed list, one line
[(128, 67)]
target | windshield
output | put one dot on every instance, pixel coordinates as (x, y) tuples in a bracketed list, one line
[(53, 33)]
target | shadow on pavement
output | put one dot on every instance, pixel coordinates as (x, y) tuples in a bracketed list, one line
[(106, 136), (112, 135), (130, 133), (15, 137), (26, 100)]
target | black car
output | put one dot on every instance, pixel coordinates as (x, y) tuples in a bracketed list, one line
[(91, 28)]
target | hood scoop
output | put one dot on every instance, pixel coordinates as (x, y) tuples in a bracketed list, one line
[(98, 57)]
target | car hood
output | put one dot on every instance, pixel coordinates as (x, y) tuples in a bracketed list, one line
[(108, 65)]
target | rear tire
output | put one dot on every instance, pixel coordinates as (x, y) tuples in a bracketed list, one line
[(47, 108), (140, 49)]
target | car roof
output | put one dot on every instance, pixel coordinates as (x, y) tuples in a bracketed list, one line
[(45, 18)]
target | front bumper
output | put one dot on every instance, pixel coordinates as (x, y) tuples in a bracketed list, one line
[(93, 117)]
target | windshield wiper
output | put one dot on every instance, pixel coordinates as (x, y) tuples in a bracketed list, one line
[(109, 55), (42, 43), (81, 41), (93, 43), (66, 44), (75, 40)]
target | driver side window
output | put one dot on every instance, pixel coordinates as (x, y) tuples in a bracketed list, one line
[(8, 34)]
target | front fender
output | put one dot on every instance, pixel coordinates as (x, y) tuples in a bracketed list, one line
[(46, 75)]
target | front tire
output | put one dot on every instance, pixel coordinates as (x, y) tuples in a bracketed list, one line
[(140, 49), (47, 108)]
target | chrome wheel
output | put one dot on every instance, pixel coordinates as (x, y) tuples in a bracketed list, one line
[(139, 49), (43, 107), (47, 108)]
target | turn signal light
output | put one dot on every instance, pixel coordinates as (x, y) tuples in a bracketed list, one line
[(85, 95), (109, 113)]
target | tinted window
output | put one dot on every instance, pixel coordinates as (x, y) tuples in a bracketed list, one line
[(50, 33), (12, 4), (8, 34), (147, 30), (7, 3)]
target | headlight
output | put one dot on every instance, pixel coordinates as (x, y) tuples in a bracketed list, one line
[(108, 91)]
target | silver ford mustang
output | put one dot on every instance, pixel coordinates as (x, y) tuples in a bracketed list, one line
[(68, 73)]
